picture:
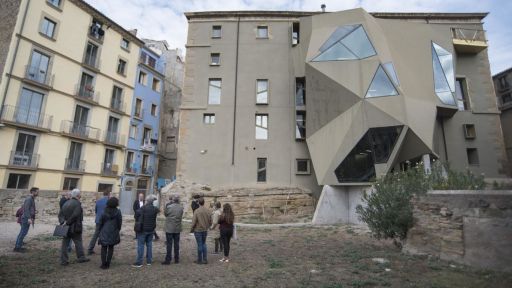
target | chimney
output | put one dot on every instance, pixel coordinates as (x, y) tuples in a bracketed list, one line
[(133, 32), (323, 8)]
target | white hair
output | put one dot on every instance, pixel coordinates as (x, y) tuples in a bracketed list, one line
[(150, 199), (75, 192)]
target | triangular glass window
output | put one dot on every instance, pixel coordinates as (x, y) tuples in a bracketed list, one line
[(390, 69), (442, 63), (348, 42), (381, 85)]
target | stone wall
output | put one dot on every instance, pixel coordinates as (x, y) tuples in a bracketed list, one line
[(9, 14), (47, 203), (263, 205), (468, 227)]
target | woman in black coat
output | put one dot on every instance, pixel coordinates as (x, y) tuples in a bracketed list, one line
[(110, 225)]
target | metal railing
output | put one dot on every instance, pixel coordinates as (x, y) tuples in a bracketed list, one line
[(130, 169), (35, 74), (92, 61), (468, 34), (86, 92), (138, 114), (147, 170), (108, 169), (82, 131), (23, 159), (114, 138), (76, 165), (96, 32), (24, 116), (117, 105)]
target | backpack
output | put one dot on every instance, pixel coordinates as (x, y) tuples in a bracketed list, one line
[(19, 213)]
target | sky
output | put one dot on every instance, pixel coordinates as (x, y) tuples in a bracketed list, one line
[(164, 19)]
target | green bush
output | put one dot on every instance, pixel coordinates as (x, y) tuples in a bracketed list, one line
[(388, 209)]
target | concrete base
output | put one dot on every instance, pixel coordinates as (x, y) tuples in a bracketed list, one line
[(337, 204)]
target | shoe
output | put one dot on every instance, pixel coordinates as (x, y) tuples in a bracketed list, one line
[(166, 263), (64, 263), (176, 261), (198, 262), (103, 267), (204, 262), (148, 264), (215, 253), (19, 250), (222, 260), (83, 260), (91, 252), (226, 261), (136, 265)]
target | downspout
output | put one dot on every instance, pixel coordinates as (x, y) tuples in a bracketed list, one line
[(14, 57), (236, 89)]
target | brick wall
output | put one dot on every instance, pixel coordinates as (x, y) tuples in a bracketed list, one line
[(8, 13)]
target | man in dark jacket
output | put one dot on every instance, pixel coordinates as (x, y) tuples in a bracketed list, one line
[(72, 214), (136, 206), (173, 216), (28, 217), (147, 216), (65, 197), (98, 209)]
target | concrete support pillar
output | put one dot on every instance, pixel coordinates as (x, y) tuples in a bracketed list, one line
[(426, 163)]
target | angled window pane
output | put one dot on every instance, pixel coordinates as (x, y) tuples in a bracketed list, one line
[(441, 85), (390, 69), (262, 91), (261, 126), (337, 52), (337, 35), (358, 43), (381, 85), (214, 91)]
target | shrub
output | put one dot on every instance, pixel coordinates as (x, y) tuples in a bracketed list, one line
[(388, 209)]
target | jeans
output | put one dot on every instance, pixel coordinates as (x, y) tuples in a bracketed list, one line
[(21, 236), (201, 246), (94, 238), (219, 246), (77, 239), (225, 238), (144, 238), (107, 251), (173, 238)]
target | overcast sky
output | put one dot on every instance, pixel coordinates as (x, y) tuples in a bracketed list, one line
[(164, 19)]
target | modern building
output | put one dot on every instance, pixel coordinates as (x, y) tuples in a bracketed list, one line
[(330, 101), (66, 91), (140, 170), (170, 111), (503, 88)]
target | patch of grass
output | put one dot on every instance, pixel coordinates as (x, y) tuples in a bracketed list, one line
[(47, 238), (275, 263)]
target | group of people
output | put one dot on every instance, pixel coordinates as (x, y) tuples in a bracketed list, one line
[(109, 222)]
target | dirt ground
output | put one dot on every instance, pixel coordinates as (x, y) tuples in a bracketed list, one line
[(326, 256)]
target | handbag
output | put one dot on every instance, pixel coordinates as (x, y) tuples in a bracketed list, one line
[(61, 231), (140, 222)]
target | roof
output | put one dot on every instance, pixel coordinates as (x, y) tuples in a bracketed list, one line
[(506, 71), (295, 14)]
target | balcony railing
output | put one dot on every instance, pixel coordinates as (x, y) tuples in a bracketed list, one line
[(75, 165), (35, 74), (114, 138), (109, 169), (81, 131), (469, 40), (96, 32), (147, 171), (22, 159), (130, 169), (117, 106), (93, 62), (87, 92), (138, 114), (26, 117)]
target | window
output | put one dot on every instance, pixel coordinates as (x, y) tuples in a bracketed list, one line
[(29, 108), (38, 69), (381, 85), (146, 59), (138, 108), (215, 59), (96, 31), (390, 70), (262, 170), (506, 98), (142, 186), (262, 32), (129, 161), (48, 27), (108, 162), (472, 156), (121, 67), (24, 153), (444, 79), (146, 137), (143, 78), (117, 98), (209, 118), (125, 44), (91, 55), (74, 162), (70, 183), (145, 165), (503, 83), (295, 33), (461, 94), (262, 126), (300, 127), (112, 135), (86, 88), (469, 131), (170, 146), (133, 131), (156, 85), (300, 91), (104, 187), (303, 166), (216, 31), (214, 91), (18, 181), (153, 109), (55, 3), (262, 91), (348, 42)]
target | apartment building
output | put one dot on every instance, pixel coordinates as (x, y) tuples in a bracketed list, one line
[(66, 92), (330, 101), (140, 173), (503, 88)]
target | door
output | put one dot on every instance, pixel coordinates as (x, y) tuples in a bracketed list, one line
[(80, 120), (108, 160), (90, 54), (86, 86), (113, 124), (24, 150), (75, 154), (38, 70), (127, 197), (29, 108)]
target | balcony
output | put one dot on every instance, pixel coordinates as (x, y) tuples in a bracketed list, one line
[(138, 114), (22, 117), (39, 77), (74, 130), (74, 165), (117, 106), (148, 145), (92, 62), (114, 139), (130, 169), (87, 94), (470, 41), (146, 171), (109, 170), (96, 32), (23, 160)]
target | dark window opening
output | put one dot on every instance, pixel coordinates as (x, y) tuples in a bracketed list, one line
[(462, 94), (262, 170), (303, 166), (70, 183), (295, 33), (216, 31), (472, 156), (18, 181), (469, 131), (300, 91), (102, 187), (300, 127)]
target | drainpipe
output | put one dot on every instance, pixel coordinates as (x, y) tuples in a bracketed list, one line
[(14, 57), (236, 88)]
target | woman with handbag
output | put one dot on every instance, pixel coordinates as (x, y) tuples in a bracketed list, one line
[(109, 226)]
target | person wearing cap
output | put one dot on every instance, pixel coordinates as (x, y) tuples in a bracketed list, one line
[(173, 216), (72, 215), (28, 217)]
